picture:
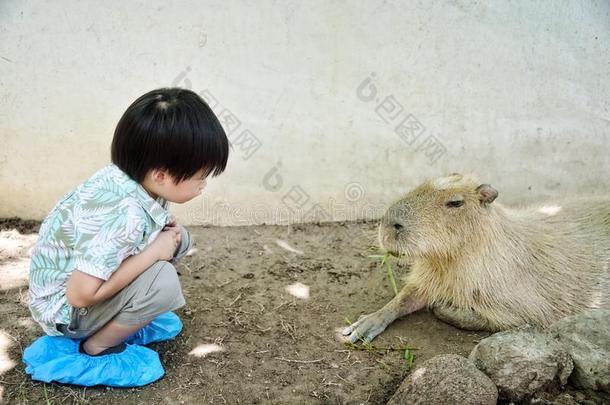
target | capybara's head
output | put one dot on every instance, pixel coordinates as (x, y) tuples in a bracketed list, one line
[(437, 217)]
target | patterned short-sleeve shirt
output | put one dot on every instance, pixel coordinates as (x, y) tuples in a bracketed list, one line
[(94, 228)]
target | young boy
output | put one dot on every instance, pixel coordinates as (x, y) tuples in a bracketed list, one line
[(102, 267)]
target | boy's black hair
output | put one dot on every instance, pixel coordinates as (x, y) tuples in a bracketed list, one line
[(171, 129)]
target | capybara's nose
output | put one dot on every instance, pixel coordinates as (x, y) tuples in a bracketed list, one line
[(393, 219)]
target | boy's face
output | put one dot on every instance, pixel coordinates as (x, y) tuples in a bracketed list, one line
[(163, 185), (187, 189)]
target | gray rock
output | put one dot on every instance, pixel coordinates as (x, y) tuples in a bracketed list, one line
[(522, 362), (446, 379), (555, 399), (586, 337), (572, 397)]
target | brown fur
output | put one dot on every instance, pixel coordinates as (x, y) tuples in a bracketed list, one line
[(502, 267)]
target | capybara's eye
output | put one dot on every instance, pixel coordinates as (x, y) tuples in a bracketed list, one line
[(455, 204)]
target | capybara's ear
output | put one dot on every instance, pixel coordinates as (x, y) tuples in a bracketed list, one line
[(487, 194)]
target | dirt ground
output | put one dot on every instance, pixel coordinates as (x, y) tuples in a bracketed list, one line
[(246, 338)]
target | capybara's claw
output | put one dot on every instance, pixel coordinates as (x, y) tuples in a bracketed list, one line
[(366, 328)]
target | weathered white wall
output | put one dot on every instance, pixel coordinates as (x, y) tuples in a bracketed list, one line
[(517, 92)]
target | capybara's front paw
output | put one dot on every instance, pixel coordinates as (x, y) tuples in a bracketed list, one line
[(366, 327)]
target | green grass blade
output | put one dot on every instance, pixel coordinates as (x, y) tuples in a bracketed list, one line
[(391, 277)]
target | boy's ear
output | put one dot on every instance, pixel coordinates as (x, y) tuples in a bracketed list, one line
[(159, 175)]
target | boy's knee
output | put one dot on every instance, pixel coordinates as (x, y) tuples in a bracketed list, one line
[(157, 290), (186, 243), (166, 289)]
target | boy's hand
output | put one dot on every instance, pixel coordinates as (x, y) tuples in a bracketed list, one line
[(165, 244), (171, 221)]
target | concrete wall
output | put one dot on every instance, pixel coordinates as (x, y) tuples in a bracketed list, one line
[(334, 108)]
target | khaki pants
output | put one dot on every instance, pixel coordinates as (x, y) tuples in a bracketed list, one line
[(155, 291)]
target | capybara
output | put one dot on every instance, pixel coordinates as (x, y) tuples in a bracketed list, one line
[(482, 266)]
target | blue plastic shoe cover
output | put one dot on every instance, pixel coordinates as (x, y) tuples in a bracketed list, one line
[(164, 327), (56, 358)]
